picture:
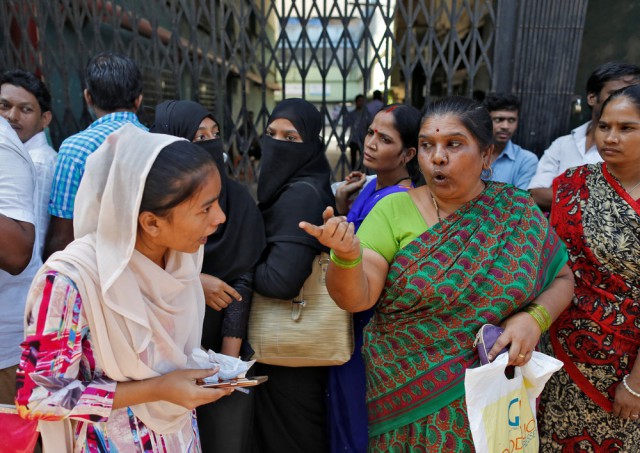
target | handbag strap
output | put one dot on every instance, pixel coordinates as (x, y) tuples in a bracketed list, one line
[(298, 302)]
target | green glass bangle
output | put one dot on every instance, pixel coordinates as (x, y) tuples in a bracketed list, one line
[(343, 264)]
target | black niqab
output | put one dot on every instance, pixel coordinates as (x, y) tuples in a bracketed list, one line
[(283, 201), (237, 244)]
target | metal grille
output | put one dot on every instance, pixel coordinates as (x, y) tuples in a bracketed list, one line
[(541, 40), (241, 56)]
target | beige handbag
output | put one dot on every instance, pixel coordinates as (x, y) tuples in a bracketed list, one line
[(310, 330)]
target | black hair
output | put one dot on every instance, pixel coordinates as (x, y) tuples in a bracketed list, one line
[(377, 95), (360, 96), (473, 115), (612, 70), (179, 171), (406, 120), (502, 101), (31, 83), (113, 81), (632, 93)]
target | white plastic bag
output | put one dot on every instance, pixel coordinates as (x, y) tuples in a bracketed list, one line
[(502, 411)]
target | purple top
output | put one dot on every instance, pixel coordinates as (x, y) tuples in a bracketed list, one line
[(368, 199)]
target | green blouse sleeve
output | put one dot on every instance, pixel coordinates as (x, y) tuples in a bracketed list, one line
[(392, 224)]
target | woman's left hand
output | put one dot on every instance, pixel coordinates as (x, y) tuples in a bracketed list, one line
[(625, 405), (218, 295), (521, 334)]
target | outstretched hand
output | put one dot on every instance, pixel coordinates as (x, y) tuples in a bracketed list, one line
[(336, 233)]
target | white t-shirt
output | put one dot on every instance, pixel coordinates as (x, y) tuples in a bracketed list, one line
[(17, 195), (565, 152), (44, 160)]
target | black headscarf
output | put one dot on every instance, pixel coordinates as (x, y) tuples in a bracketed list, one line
[(179, 118), (237, 244), (292, 175)]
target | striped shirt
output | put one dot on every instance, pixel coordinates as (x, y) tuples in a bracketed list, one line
[(72, 158)]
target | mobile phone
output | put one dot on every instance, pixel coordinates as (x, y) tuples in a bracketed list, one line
[(231, 383)]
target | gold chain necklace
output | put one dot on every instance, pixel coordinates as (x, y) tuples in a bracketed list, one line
[(435, 205)]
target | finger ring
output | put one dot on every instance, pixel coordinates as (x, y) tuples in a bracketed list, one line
[(522, 356)]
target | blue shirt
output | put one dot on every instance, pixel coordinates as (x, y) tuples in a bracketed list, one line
[(72, 158), (515, 166)]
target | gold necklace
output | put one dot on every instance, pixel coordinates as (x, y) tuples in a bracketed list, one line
[(435, 205)]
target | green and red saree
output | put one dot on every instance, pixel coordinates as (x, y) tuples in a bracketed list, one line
[(481, 264)]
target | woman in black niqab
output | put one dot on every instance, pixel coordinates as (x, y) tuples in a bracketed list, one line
[(230, 257), (293, 186)]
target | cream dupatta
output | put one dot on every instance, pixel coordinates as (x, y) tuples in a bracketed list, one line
[(144, 320)]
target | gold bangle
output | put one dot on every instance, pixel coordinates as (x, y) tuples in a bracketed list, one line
[(540, 314)]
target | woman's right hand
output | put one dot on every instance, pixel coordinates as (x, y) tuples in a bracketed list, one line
[(352, 183), (337, 234), (179, 387)]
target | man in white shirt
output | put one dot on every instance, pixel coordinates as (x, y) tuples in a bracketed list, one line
[(25, 103), (18, 263), (578, 148)]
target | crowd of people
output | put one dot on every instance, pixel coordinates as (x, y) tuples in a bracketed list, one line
[(130, 247)]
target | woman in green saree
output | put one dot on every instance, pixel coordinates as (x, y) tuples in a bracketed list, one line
[(437, 263)]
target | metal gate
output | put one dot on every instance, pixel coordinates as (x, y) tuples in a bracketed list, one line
[(238, 57)]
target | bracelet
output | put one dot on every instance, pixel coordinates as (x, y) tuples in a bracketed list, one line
[(540, 314), (344, 264), (624, 382)]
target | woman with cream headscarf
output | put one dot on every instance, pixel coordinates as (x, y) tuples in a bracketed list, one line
[(111, 319)]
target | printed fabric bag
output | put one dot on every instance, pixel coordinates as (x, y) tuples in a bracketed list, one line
[(502, 411), (310, 330)]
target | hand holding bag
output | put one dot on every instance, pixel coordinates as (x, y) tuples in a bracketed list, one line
[(310, 330), (502, 412), (485, 339)]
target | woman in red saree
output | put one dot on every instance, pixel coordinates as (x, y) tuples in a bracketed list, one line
[(437, 263), (593, 404)]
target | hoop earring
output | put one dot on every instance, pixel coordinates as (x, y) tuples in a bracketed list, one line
[(488, 175)]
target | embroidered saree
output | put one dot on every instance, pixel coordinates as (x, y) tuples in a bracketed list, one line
[(479, 265), (598, 336)]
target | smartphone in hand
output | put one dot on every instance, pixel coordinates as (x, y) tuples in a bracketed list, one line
[(233, 383)]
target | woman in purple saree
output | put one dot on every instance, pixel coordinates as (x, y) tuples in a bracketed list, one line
[(390, 151)]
